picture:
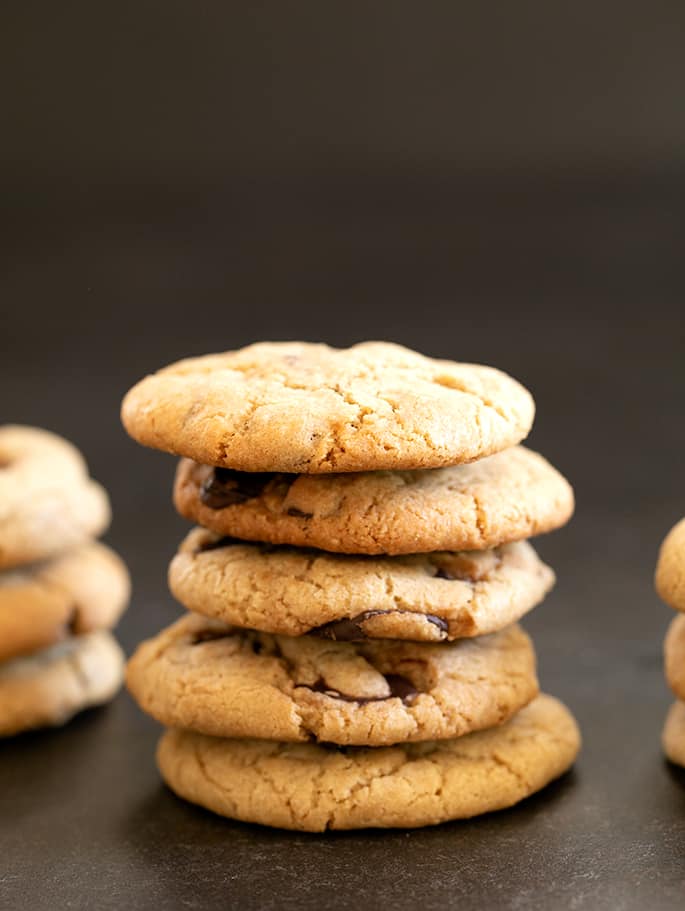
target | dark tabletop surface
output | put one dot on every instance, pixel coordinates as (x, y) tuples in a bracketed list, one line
[(576, 289)]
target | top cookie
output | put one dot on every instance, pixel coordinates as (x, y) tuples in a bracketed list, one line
[(311, 409), (670, 570), (48, 503)]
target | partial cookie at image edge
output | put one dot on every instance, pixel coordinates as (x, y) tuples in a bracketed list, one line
[(50, 687), (670, 570), (673, 737)]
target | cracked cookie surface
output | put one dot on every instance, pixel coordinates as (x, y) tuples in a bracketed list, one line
[(506, 497), (49, 687), (308, 408), (48, 503), (422, 597), (670, 570), (220, 680), (673, 737), (312, 787), (71, 594)]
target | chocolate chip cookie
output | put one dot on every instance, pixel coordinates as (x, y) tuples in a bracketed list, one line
[(312, 787), (506, 497), (305, 408), (423, 597), (49, 687), (47, 501), (74, 593), (670, 571), (221, 680), (673, 738), (674, 656)]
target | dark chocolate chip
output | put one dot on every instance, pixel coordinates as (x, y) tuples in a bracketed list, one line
[(209, 635), (350, 629), (400, 688), (298, 513), (441, 623), (225, 487), (346, 630), (218, 543), (72, 623)]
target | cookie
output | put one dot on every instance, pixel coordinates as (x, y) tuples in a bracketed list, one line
[(673, 737), (670, 570), (422, 597), (506, 497), (75, 593), (312, 788), (48, 504), (48, 688), (674, 656), (228, 682), (299, 407)]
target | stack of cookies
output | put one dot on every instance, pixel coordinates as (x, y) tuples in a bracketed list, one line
[(351, 656), (670, 584), (60, 590)]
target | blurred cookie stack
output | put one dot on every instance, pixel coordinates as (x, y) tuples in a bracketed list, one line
[(670, 585), (60, 590), (352, 656)]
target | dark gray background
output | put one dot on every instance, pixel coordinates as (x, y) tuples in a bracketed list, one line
[(494, 184)]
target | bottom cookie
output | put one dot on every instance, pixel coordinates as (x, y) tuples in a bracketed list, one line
[(673, 737), (51, 686), (313, 787)]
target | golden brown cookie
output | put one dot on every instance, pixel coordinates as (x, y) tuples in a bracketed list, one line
[(47, 501), (674, 656), (49, 687), (673, 738), (229, 682), (74, 593), (422, 597), (299, 407), (507, 497), (313, 787), (670, 570)]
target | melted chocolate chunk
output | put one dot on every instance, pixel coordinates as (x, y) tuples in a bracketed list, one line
[(209, 635), (400, 688), (215, 545), (225, 487), (298, 513), (350, 629), (72, 623), (442, 573)]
